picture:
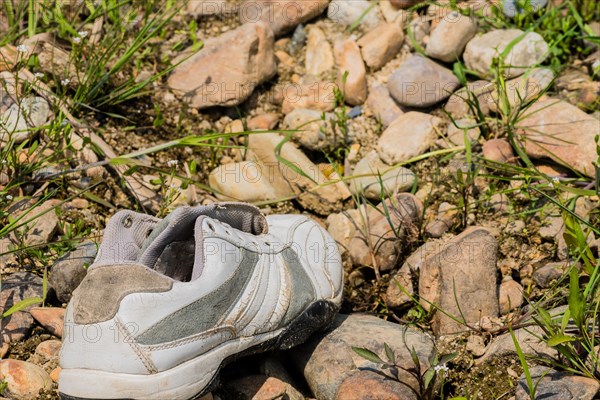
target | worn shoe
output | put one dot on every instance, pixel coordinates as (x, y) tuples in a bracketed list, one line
[(167, 302)]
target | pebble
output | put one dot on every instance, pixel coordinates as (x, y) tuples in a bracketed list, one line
[(545, 276), (400, 291), (48, 349), (55, 374), (510, 295), (420, 82), (457, 104), (475, 345), (342, 227), (15, 288), (499, 150), (463, 271), (24, 380), (314, 132), (381, 104), (457, 130), (383, 181), (319, 55), (367, 384), (446, 218), (410, 135), (381, 45), (327, 360), (404, 3), (349, 12), (264, 122), (68, 271), (21, 120), (281, 15), (482, 49), (261, 387), (212, 77), (448, 40), (352, 74), (578, 88), (513, 7), (562, 132), (521, 90), (51, 318), (315, 96), (554, 385)]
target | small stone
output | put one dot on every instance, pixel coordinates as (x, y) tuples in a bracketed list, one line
[(319, 55), (264, 122), (261, 387), (499, 150), (475, 345), (578, 88), (420, 28), (457, 130), (420, 82), (314, 132), (529, 341), (15, 288), (315, 96), (480, 91), (203, 81), (348, 12), (371, 385), (404, 3), (554, 385), (545, 276), (352, 75), (48, 349), (562, 132), (512, 7), (449, 38), (446, 218), (327, 360), (68, 271), (400, 291), (481, 50), (51, 318), (24, 380), (510, 296), (41, 230), (381, 104), (281, 15), (410, 135), (515, 228), (383, 180), (342, 228), (55, 374), (521, 90), (463, 272), (381, 45), (208, 7), (20, 121), (248, 181), (3, 349)]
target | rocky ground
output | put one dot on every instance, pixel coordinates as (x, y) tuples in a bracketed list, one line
[(448, 148)]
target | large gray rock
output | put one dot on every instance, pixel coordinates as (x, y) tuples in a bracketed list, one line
[(530, 50), (410, 135), (375, 179), (281, 15), (327, 361), (557, 130), (460, 279), (420, 82), (228, 68), (555, 385), (68, 271), (449, 38)]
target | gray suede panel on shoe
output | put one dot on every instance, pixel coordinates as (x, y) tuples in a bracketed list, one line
[(98, 296), (204, 313), (303, 292)]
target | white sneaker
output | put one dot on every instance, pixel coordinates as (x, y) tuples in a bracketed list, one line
[(166, 303)]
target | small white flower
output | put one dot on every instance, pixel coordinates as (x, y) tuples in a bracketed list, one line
[(65, 81), (77, 40), (172, 163), (22, 48), (441, 368), (82, 34), (9, 197), (38, 75)]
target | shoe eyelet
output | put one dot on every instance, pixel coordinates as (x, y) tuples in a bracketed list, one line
[(210, 226), (268, 244), (227, 232), (149, 233), (128, 222)]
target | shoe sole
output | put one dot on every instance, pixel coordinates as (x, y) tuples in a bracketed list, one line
[(175, 382)]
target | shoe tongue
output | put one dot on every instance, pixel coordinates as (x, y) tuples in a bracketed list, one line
[(170, 248)]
